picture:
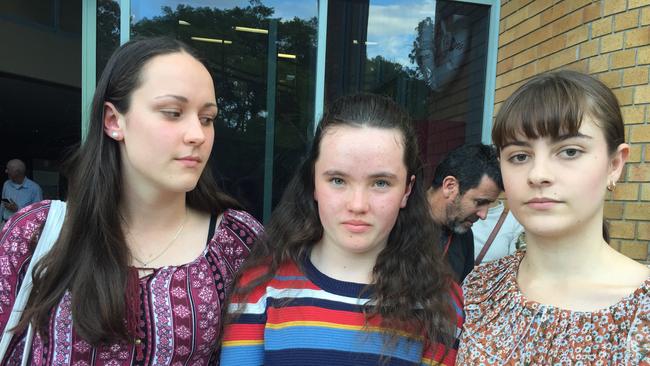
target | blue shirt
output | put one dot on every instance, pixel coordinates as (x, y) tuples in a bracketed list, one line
[(23, 194)]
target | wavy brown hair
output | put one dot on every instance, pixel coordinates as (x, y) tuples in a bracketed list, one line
[(411, 280), (91, 259)]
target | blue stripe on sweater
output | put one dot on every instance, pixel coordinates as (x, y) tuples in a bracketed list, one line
[(314, 337), (315, 357)]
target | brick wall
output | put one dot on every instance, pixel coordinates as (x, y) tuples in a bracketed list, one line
[(609, 39)]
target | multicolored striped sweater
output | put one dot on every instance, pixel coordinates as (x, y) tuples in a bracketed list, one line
[(311, 319)]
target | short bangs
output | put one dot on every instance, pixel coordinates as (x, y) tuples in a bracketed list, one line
[(553, 105), (539, 109)]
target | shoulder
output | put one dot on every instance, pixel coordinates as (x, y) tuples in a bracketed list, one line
[(26, 223), (31, 184), (640, 329), (287, 270), (285, 277), (234, 237), (489, 277), (467, 236), (237, 219), (17, 242)]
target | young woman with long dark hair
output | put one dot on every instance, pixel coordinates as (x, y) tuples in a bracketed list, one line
[(348, 272), (149, 245), (570, 299)]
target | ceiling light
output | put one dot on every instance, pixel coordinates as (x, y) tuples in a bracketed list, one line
[(211, 40), (286, 55), (251, 30)]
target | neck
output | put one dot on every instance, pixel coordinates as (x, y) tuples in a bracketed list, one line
[(343, 266), (556, 256), (19, 180), (153, 211)]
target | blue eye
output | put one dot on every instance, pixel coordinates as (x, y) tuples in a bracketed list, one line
[(382, 184), (336, 181)]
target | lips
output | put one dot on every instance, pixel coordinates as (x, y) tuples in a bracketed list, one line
[(542, 203), (190, 160), (356, 226)]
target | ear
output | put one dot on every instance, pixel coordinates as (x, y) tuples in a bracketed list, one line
[(450, 187), (113, 121), (407, 193), (617, 162)]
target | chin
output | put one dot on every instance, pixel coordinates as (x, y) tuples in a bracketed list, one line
[(460, 229), (184, 186)]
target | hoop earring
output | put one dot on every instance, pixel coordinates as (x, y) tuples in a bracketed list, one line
[(611, 186)]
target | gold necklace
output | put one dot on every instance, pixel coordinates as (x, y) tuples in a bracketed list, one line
[(169, 245)]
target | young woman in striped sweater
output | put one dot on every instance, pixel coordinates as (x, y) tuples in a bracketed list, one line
[(348, 272)]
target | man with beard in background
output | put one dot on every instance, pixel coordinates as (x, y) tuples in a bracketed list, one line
[(464, 185)]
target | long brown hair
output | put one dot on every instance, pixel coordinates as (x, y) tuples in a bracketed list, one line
[(555, 103), (410, 278), (91, 259)]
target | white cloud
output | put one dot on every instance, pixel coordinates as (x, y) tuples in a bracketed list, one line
[(393, 28)]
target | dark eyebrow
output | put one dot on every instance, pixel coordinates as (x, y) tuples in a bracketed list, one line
[(177, 97), (385, 175), (181, 98), (334, 172), (372, 176), (554, 140)]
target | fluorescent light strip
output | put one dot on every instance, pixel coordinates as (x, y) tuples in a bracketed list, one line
[(182, 22), (367, 43), (286, 55), (211, 40), (251, 30)]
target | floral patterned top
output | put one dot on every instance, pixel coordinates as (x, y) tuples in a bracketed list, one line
[(181, 305), (502, 327)]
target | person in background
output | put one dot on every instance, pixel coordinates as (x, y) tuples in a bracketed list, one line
[(149, 246), (570, 298), (18, 191), (345, 274), (464, 185), (500, 230)]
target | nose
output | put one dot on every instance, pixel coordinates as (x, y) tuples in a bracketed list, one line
[(195, 133), (482, 212), (358, 201), (540, 172)]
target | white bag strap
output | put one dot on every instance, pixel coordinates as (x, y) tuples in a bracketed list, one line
[(50, 233)]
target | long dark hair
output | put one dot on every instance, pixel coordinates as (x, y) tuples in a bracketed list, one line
[(91, 258), (410, 278)]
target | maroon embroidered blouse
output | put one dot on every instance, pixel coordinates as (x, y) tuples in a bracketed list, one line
[(182, 304)]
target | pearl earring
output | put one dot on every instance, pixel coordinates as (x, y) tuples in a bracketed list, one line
[(115, 134)]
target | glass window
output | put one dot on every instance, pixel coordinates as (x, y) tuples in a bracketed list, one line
[(430, 57), (37, 11), (262, 57), (70, 15), (40, 96), (108, 32)]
